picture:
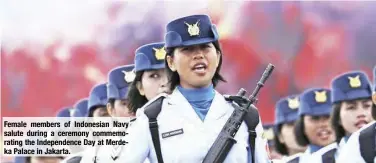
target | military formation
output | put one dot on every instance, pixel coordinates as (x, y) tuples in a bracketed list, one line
[(175, 113)]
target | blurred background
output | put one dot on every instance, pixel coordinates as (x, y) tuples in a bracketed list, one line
[(53, 52)]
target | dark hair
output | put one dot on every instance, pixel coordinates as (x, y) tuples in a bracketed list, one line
[(299, 133), (93, 108), (135, 99), (111, 101), (279, 147), (335, 121), (174, 78), (374, 111), (336, 118)]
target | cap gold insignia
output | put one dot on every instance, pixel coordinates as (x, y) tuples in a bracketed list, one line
[(374, 97), (193, 29), (320, 96), (71, 112), (293, 102), (354, 81), (129, 76), (268, 134), (160, 54)]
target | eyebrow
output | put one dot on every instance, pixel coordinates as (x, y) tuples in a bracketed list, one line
[(365, 101), (351, 102)]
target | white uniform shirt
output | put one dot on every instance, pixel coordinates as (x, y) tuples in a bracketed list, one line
[(350, 152), (196, 136), (315, 157)]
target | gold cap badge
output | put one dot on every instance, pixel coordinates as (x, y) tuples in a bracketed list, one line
[(268, 134), (293, 102), (129, 76), (354, 81), (71, 112), (320, 96), (160, 54), (193, 29), (374, 97)]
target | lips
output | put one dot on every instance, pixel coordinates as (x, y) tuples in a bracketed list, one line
[(199, 68), (324, 133), (360, 123)]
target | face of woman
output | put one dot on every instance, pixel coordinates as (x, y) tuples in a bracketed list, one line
[(119, 109), (287, 137), (318, 130), (355, 114), (196, 65), (152, 83), (100, 112)]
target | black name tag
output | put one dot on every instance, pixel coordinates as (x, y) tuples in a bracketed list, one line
[(172, 133)]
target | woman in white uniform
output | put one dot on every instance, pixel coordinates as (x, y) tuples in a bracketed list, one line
[(313, 127), (151, 77), (96, 108), (285, 116), (191, 117), (352, 105), (361, 146)]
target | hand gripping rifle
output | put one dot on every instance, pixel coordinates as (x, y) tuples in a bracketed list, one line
[(242, 108)]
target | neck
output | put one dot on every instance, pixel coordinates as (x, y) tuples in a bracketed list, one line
[(190, 86), (197, 94), (294, 151)]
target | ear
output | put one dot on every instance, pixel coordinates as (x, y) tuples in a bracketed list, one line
[(109, 109), (280, 138), (170, 62), (140, 89)]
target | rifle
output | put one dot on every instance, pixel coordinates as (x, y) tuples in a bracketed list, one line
[(242, 106)]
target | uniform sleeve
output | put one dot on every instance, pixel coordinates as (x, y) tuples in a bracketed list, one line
[(262, 148), (138, 138), (351, 151)]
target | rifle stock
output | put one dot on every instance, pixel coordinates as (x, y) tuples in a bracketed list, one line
[(225, 140)]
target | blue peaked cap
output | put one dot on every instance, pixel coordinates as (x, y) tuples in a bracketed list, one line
[(119, 79), (65, 112), (351, 86), (190, 30), (81, 108), (315, 102), (150, 57), (98, 96), (20, 159), (287, 109)]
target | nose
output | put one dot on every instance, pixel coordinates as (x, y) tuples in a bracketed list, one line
[(324, 121), (198, 54)]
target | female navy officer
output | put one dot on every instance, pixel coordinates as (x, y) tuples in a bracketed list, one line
[(119, 79), (285, 117), (151, 78), (352, 105), (313, 126), (361, 146), (193, 115)]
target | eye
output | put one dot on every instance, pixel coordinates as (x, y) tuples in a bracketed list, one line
[(185, 49), (155, 75), (350, 107), (123, 103), (366, 106)]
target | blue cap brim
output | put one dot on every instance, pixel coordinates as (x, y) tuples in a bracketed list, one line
[(154, 67), (358, 94), (322, 110), (198, 41)]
